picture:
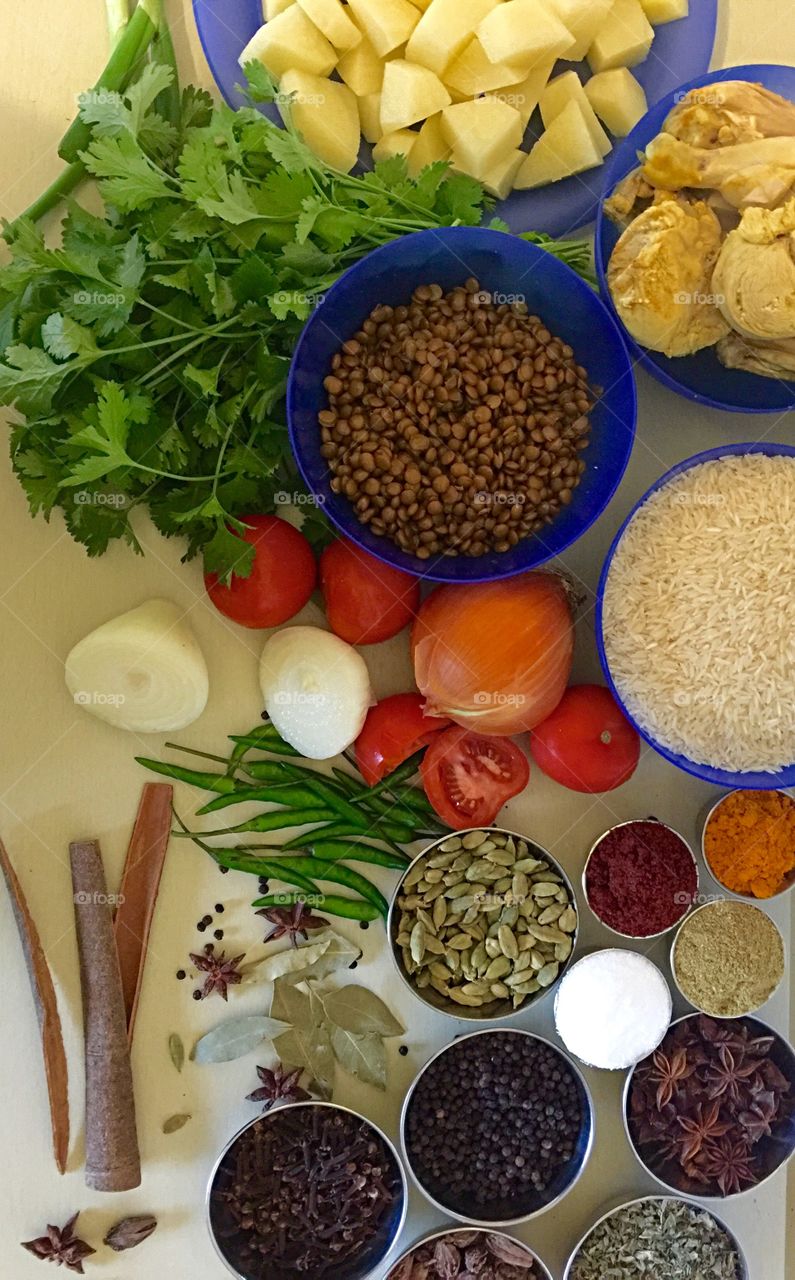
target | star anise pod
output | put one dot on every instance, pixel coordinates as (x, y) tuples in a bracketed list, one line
[(729, 1163), (669, 1069), (61, 1246), (291, 922), (729, 1074), (222, 972), (278, 1085), (704, 1125)]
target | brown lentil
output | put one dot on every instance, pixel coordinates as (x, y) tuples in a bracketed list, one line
[(455, 425)]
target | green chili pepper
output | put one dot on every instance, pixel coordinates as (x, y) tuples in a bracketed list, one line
[(333, 905), (264, 737), (264, 867), (340, 850), (327, 831), (220, 782), (336, 874), (276, 821), (338, 803), (290, 794)]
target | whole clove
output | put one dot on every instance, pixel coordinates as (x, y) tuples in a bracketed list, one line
[(306, 1190)]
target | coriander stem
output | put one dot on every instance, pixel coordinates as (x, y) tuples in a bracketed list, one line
[(67, 180), (118, 15)]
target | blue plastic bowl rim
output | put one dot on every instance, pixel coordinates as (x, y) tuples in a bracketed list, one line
[(745, 71), (721, 777), (627, 377)]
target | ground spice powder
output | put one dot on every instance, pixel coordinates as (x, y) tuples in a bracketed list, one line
[(749, 842), (641, 878), (728, 958)]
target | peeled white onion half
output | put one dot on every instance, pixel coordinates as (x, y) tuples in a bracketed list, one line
[(316, 689), (142, 671)]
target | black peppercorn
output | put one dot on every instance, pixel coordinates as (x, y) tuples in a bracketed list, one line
[(403, 1050), (364, 924), (219, 908), (197, 995), (181, 974), (202, 927), (219, 933)]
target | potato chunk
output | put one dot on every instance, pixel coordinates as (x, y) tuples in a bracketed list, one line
[(362, 69), (565, 148), (525, 31), (399, 143), (370, 116), (660, 11), (500, 179), (583, 18), (429, 147), (559, 93), (290, 41), (444, 29), (617, 99), (623, 39), (272, 8), (386, 23), (410, 93), (481, 133), (525, 94), (472, 73), (332, 19), (327, 116)]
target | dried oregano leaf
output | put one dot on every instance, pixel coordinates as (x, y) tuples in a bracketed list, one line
[(174, 1123), (176, 1050)]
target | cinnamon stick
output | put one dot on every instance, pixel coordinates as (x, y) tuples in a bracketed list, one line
[(112, 1158), (49, 1020), (138, 893)]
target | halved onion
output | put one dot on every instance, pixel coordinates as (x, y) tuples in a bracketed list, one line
[(495, 656), (142, 671), (316, 689)]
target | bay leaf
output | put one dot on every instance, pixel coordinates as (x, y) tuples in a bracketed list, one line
[(310, 1048), (291, 960), (176, 1050), (361, 1011), (363, 1056), (174, 1123), (236, 1037), (340, 954), (291, 1003)]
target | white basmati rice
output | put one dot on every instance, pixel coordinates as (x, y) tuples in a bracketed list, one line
[(699, 614)]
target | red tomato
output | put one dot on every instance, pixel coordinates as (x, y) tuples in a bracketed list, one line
[(281, 581), (587, 743), (468, 776), (394, 729), (366, 600)]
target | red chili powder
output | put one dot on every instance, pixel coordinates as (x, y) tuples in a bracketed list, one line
[(641, 878)]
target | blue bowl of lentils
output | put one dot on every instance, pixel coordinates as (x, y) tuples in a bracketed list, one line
[(497, 1127)]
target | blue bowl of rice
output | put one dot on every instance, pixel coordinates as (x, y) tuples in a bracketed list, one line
[(695, 616)]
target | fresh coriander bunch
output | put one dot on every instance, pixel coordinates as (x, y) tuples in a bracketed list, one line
[(148, 354)]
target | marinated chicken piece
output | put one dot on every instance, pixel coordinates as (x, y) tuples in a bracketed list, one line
[(631, 191), (754, 278), (724, 114), (748, 173), (660, 277), (769, 359)]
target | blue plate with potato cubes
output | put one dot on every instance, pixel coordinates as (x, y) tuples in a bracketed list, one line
[(681, 50)]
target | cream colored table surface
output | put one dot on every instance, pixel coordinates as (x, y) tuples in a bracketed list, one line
[(64, 775)]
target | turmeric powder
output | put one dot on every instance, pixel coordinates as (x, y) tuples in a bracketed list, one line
[(749, 842)]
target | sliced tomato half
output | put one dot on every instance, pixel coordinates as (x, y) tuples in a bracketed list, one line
[(469, 776), (395, 728)]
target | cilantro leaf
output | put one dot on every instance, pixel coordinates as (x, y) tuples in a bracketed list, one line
[(128, 178)]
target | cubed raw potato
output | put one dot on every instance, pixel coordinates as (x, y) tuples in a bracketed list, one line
[(362, 69), (327, 116), (332, 19), (583, 19), (429, 147), (623, 39), (444, 29), (481, 132), (422, 5), (272, 8), (291, 42), (410, 93), (524, 31), (525, 94), (617, 99), (559, 93), (370, 116), (399, 143), (659, 11), (499, 180), (566, 147), (386, 23), (472, 73)]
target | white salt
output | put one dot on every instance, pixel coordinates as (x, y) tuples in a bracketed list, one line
[(613, 1008)]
